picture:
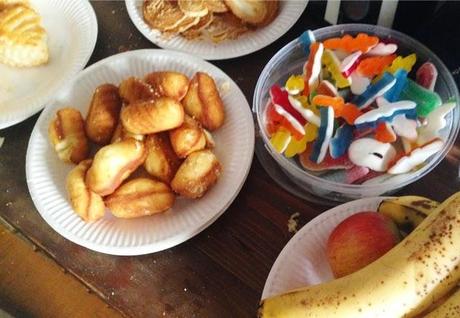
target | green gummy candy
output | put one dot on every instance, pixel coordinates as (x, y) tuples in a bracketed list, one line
[(425, 99)]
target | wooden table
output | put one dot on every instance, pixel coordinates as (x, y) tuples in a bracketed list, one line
[(220, 272)]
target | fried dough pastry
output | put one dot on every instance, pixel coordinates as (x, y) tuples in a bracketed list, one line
[(166, 16), (161, 162), (169, 84), (216, 6), (121, 133), (114, 163), (134, 89), (67, 135), (140, 197), (197, 174), (149, 117), (103, 114), (87, 204), (193, 8), (225, 27), (255, 12), (203, 102), (187, 138), (210, 143), (23, 41)]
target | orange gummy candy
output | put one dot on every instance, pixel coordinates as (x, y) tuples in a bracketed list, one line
[(375, 65), (335, 102), (350, 112), (347, 43), (384, 133)]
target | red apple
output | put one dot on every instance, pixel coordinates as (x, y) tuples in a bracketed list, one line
[(359, 240)]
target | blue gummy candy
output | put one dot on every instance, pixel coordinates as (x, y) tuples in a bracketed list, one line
[(374, 90), (392, 95), (306, 39), (341, 141), (324, 134)]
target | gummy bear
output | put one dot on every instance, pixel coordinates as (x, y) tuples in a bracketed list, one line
[(384, 133), (298, 146), (372, 66), (280, 140), (426, 100), (362, 42), (332, 64), (312, 67), (295, 84), (427, 75)]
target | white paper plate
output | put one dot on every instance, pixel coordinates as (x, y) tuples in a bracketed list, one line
[(72, 33), (46, 173), (290, 11), (303, 260)]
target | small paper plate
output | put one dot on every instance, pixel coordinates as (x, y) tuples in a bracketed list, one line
[(303, 261), (72, 32), (46, 174), (289, 13)]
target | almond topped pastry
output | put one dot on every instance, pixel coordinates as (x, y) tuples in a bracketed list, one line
[(23, 41)]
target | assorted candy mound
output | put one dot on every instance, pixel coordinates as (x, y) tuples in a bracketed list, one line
[(355, 116)]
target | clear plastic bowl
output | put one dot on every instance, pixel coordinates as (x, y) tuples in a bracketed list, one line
[(290, 59)]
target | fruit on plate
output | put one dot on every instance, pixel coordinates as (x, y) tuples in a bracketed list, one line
[(103, 114), (407, 211), (86, 203), (67, 135), (450, 308), (402, 283), (187, 138), (114, 163), (359, 240), (140, 197)]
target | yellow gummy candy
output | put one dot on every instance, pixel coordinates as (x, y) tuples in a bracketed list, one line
[(333, 66), (303, 100), (280, 140), (298, 146), (295, 84), (400, 62)]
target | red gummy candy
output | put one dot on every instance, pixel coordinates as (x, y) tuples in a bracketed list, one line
[(280, 97), (372, 66), (328, 163), (274, 121), (326, 88), (362, 42), (356, 173)]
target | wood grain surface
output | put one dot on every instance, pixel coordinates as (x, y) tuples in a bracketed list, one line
[(220, 272)]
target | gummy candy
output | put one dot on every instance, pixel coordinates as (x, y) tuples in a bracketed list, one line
[(295, 84), (370, 153), (408, 145), (328, 163), (372, 66), (290, 123), (427, 75), (385, 111), (348, 176), (404, 127), (392, 95), (435, 122), (374, 90), (326, 88), (362, 42), (335, 102), (272, 118), (416, 157), (280, 140), (426, 100), (350, 112), (341, 141), (312, 67), (281, 97), (405, 63), (324, 134), (384, 133), (332, 64), (350, 63), (306, 39), (359, 83), (298, 146), (306, 113), (382, 49)]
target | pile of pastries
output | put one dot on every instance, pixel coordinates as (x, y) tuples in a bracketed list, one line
[(154, 141), (216, 20), (23, 40)]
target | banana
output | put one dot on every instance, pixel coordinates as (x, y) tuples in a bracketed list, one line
[(402, 283), (450, 308), (407, 211)]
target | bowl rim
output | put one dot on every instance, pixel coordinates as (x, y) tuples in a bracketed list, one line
[(392, 182)]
